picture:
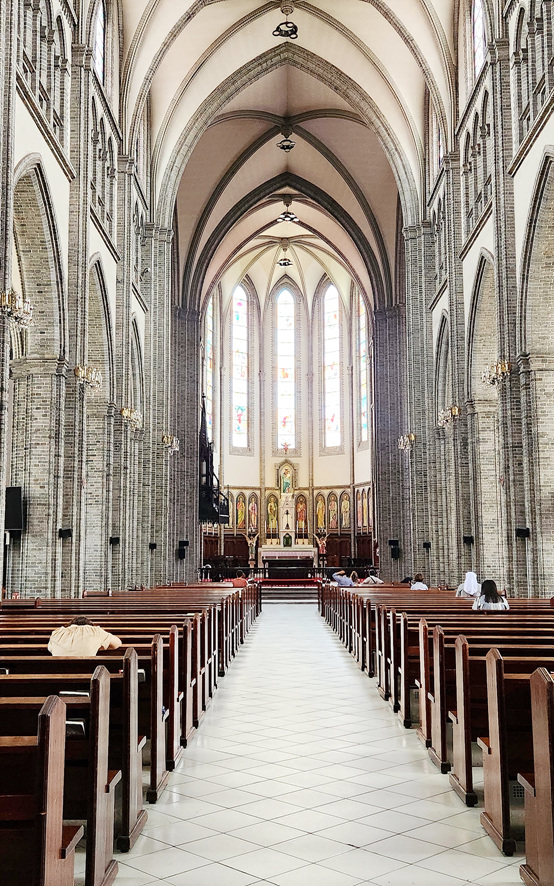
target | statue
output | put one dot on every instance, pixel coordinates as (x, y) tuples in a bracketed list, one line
[(252, 541), (286, 480)]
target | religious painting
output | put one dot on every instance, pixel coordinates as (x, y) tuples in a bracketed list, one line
[(320, 513), (285, 480), (359, 510), (301, 515), (241, 511), (345, 511), (333, 506), (365, 510), (272, 512), (253, 513)]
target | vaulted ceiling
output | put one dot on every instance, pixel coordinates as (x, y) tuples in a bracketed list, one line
[(355, 89)]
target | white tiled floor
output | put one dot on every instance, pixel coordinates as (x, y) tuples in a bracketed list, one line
[(300, 775)]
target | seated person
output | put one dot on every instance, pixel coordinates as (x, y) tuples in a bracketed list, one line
[(470, 587), (343, 580), (418, 584), (81, 639), (490, 599), (373, 578), (240, 580)]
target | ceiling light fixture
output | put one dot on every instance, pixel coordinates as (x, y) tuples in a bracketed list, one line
[(287, 215), (284, 262), (286, 144), (286, 28)]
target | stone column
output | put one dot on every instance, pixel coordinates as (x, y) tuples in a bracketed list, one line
[(8, 40), (514, 575), (390, 410), (37, 458)]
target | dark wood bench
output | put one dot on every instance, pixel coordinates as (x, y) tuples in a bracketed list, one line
[(35, 845)]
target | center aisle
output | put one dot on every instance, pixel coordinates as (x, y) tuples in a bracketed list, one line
[(300, 775)]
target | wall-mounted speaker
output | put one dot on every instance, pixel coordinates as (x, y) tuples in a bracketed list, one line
[(393, 542), (152, 545), (426, 545), (469, 539), (114, 539), (395, 553), (14, 509), (184, 543), (523, 533), (65, 533)]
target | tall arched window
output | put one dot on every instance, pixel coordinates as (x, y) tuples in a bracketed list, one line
[(363, 365), (479, 36), (286, 379), (99, 41), (331, 367), (239, 396), (209, 365)]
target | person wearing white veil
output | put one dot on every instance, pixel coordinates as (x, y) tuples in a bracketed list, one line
[(470, 587)]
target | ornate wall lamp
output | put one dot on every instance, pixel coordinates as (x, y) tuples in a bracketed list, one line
[(446, 415), (89, 376), (171, 443), (16, 308), (496, 373), (133, 416), (406, 442)]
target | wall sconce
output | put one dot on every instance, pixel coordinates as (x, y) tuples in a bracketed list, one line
[(171, 443), (89, 376), (496, 372), (16, 308), (446, 415), (133, 416), (406, 442)]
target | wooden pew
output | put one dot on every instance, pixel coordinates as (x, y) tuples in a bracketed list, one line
[(125, 744), (89, 786), (538, 784), (35, 845)]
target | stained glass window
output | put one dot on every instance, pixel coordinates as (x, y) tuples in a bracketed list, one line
[(209, 366), (99, 41), (479, 37), (286, 395), (363, 369), (331, 367), (240, 369)]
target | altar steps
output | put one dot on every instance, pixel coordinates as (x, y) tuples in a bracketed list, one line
[(289, 594)]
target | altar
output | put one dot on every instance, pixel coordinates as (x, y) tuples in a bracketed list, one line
[(298, 561), (287, 546)]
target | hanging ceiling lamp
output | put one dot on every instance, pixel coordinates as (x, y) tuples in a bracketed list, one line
[(286, 28), (284, 262), (286, 144), (287, 215)]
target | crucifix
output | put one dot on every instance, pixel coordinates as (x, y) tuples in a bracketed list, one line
[(287, 516)]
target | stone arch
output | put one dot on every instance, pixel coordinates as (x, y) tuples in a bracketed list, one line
[(320, 69), (195, 272), (536, 363), (39, 379), (483, 430), (99, 436)]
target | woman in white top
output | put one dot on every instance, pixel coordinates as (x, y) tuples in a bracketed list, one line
[(489, 599), (418, 584), (470, 587)]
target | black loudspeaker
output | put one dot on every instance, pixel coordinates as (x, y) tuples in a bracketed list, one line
[(395, 553), (184, 543), (523, 533), (426, 545), (469, 539), (182, 549), (152, 545), (65, 533), (114, 539), (393, 542), (14, 509)]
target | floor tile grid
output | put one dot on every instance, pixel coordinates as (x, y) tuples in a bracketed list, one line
[(301, 774)]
